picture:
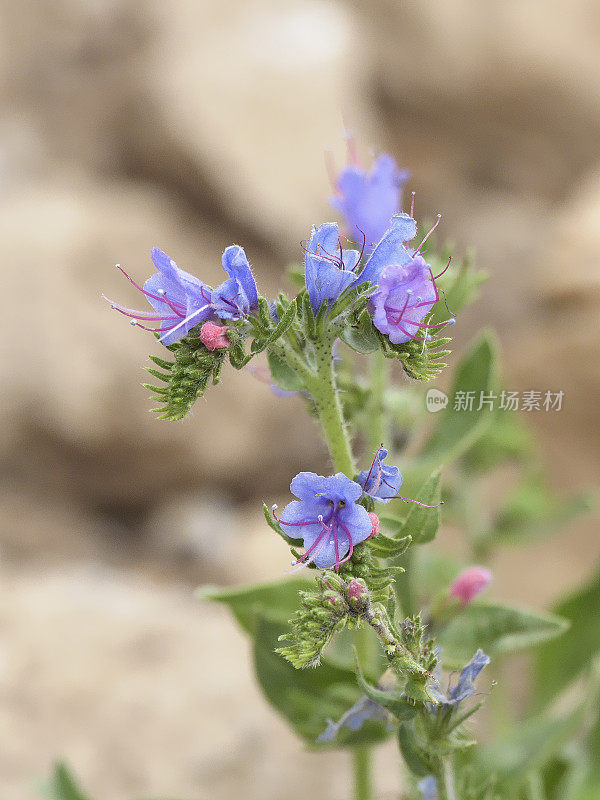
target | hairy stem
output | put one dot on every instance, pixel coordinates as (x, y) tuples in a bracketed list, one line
[(324, 391), (444, 778)]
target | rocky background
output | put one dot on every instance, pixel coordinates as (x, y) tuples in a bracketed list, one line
[(191, 125)]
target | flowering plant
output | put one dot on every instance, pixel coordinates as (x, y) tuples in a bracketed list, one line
[(353, 648)]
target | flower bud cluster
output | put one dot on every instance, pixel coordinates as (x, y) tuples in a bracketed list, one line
[(337, 603)]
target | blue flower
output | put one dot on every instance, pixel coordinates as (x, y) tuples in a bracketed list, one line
[(181, 301), (326, 517), (330, 270), (368, 200), (237, 296), (381, 482), (465, 686), (363, 710), (428, 788)]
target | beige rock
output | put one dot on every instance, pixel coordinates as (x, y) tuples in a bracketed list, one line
[(143, 690)]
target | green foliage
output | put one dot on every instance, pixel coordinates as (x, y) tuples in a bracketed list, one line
[(277, 600), (525, 748), (62, 785), (421, 524), (395, 700), (505, 439), (283, 375), (496, 629), (456, 431), (307, 698), (560, 662), (534, 510), (460, 284)]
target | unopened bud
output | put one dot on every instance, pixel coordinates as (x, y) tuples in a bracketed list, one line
[(470, 583), (374, 523), (214, 337), (357, 593)]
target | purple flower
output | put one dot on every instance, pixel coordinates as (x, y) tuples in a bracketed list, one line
[(181, 301), (465, 686), (381, 482), (329, 269), (368, 200), (326, 517), (405, 295)]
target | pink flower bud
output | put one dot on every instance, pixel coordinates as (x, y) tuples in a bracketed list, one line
[(214, 337), (374, 522), (470, 583), (356, 589)]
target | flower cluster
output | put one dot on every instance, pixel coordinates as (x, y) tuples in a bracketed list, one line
[(181, 301)]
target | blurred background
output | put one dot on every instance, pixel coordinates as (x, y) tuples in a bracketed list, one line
[(192, 125)]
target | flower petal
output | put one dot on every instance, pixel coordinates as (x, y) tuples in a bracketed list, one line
[(391, 249)]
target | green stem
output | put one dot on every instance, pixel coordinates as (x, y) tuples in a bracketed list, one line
[(377, 422), (444, 778), (361, 757), (324, 392)]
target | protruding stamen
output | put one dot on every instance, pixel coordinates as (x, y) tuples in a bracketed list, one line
[(412, 204), (427, 235)]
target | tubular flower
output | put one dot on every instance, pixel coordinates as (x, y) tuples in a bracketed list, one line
[(367, 199), (326, 517), (381, 482), (329, 269), (181, 301)]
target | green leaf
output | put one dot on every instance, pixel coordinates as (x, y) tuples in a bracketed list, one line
[(456, 431), (412, 754), (361, 337), (460, 284), (534, 510), (525, 747), (506, 439), (560, 662), (395, 701), (283, 375), (277, 600), (496, 629), (62, 785), (421, 523), (307, 698)]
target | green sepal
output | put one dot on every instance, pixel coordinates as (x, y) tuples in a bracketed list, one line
[(274, 525), (421, 360), (386, 547), (261, 342)]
